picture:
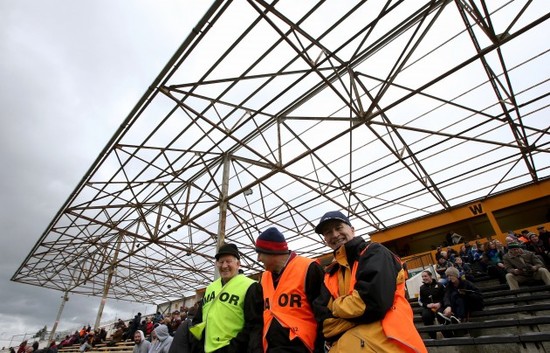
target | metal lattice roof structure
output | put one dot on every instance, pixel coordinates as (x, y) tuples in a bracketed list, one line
[(272, 113)]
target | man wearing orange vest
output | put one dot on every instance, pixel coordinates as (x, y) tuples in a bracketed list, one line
[(362, 306), (290, 284)]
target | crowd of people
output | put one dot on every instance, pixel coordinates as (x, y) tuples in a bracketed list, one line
[(138, 329), (449, 296), (26, 347), (357, 302)]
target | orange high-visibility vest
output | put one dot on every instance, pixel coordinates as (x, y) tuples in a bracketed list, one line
[(398, 323), (288, 303)]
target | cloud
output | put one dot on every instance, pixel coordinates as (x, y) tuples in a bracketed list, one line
[(70, 72)]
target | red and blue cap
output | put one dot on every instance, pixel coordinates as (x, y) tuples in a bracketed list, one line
[(271, 241)]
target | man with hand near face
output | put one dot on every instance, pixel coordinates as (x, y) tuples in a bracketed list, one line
[(290, 284), (362, 306), (231, 310)]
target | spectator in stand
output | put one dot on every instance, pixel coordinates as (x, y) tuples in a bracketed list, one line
[(118, 335), (120, 324), (66, 342), (88, 343), (35, 346), (75, 338), (511, 237), (524, 236), (288, 275), (141, 344), (175, 322), (523, 265), (52, 348), (464, 269), (102, 335), (537, 246), (82, 333), (157, 318), (438, 252), (149, 326), (161, 340), (96, 339), (143, 326), (22, 347), (461, 298), (442, 265), (451, 254), (465, 253), (544, 235), (479, 251), (134, 326), (168, 322), (430, 299), (183, 340), (495, 264), (12, 350)]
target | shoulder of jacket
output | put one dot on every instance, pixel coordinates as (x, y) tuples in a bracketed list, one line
[(332, 267)]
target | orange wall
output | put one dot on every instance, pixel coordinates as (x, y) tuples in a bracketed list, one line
[(514, 197)]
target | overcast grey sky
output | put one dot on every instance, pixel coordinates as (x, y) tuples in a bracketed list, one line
[(70, 72)]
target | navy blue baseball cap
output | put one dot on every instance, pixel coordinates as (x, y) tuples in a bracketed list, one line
[(331, 216)]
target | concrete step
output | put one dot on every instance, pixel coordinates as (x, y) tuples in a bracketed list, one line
[(532, 342), (520, 325)]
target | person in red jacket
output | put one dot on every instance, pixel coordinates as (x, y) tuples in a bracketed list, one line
[(362, 305), (290, 284)]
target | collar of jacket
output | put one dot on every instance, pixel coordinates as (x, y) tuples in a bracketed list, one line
[(347, 254)]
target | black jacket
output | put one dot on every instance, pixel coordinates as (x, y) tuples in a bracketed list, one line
[(182, 342), (431, 293)]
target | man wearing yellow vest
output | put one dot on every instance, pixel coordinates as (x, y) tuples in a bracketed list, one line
[(362, 306), (290, 284), (229, 318)]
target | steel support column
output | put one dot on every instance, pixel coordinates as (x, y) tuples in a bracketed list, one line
[(64, 299), (223, 207)]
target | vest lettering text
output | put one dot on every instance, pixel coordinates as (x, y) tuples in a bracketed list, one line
[(293, 301)]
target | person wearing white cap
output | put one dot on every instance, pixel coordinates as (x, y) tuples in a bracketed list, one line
[(362, 306)]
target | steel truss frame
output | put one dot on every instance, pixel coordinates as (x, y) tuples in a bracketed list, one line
[(272, 113)]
